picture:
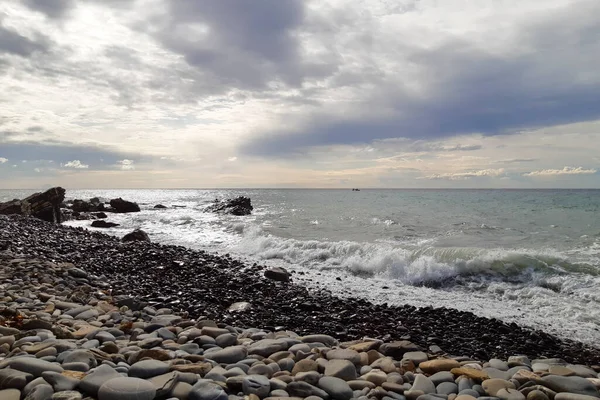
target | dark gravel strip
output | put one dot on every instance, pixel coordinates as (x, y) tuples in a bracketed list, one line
[(205, 285)]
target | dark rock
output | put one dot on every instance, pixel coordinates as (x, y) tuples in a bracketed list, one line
[(80, 206), (160, 206), (123, 206), (100, 215), (43, 205), (137, 235), (278, 274), (103, 224), (239, 206)]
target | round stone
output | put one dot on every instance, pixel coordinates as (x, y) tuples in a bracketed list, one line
[(148, 368), (67, 395), (442, 364), (492, 386), (423, 383), (127, 389), (256, 384), (537, 395), (229, 355), (447, 388), (337, 388), (10, 394), (344, 354), (342, 369), (510, 394)]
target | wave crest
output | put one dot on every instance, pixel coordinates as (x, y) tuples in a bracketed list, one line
[(417, 265)]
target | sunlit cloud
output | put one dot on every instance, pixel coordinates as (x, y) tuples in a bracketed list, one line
[(466, 175), (76, 164), (564, 171), (126, 165)]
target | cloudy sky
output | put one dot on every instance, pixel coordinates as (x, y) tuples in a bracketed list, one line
[(299, 93)]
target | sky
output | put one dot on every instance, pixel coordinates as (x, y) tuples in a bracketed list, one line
[(300, 93)]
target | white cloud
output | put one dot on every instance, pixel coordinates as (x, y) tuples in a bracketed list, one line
[(126, 165), (564, 171), (3, 160), (75, 164), (457, 176), (231, 159)]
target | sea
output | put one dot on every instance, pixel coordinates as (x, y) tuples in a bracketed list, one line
[(526, 256)]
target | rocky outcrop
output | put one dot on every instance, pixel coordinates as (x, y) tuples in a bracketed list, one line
[(239, 206), (160, 206), (137, 235), (43, 205), (123, 206)]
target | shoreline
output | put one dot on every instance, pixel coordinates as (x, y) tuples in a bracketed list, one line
[(205, 285)]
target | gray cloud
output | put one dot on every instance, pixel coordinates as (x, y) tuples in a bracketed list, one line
[(51, 8), (238, 43), (472, 90), (12, 42)]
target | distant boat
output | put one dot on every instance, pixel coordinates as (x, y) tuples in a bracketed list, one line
[(356, 190)]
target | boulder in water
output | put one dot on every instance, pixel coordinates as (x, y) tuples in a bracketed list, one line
[(137, 235), (239, 206), (160, 206), (80, 206), (43, 205), (123, 206), (103, 224)]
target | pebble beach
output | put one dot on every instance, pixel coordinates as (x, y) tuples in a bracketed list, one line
[(84, 315)]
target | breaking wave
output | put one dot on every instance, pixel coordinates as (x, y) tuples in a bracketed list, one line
[(419, 265)]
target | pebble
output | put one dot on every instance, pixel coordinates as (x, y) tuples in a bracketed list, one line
[(444, 364), (342, 369), (492, 386), (570, 384), (148, 368), (229, 355), (126, 389), (256, 384), (337, 388), (423, 383), (10, 394), (33, 366)]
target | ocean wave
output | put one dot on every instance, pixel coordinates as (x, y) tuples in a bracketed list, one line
[(178, 220), (420, 265)]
